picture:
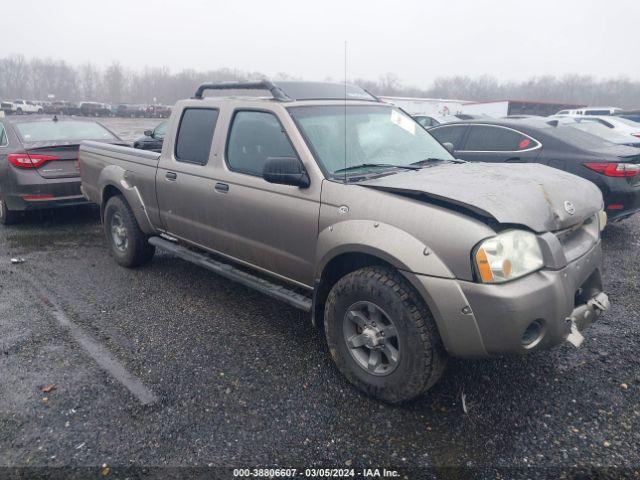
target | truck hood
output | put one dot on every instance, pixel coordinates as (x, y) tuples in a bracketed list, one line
[(538, 197)]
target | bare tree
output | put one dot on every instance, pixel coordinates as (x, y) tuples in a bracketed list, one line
[(114, 82), (37, 78)]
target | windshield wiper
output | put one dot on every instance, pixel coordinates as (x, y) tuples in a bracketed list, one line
[(429, 160), (383, 165)]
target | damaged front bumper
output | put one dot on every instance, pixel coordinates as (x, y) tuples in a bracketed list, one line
[(584, 315), (538, 311)]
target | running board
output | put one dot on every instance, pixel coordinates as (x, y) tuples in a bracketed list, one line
[(232, 273)]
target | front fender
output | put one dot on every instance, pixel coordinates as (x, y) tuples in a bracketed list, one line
[(116, 176), (389, 243)]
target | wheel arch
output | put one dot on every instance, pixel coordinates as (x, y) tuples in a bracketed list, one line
[(112, 182)]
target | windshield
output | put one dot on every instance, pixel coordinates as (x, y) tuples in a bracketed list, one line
[(161, 130), (374, 137), (62, 131)]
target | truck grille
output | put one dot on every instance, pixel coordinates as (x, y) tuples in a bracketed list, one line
[(578, 239)]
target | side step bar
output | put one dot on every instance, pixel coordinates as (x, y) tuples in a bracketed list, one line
[(232, 273)]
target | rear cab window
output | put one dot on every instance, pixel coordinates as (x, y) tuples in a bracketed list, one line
[(61, 130), (195, 135), (255, 137), (490, 138)]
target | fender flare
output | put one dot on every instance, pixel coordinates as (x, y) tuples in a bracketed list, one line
[(116, 177), (389, 243)]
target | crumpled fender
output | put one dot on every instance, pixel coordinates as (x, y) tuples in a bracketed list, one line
[(382, 240), (116, 176)]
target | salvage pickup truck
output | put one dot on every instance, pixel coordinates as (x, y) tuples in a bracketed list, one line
[(341, 205)]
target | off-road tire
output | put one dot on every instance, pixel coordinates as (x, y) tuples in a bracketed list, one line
[(138, 250), (8, 217), (422, 358)]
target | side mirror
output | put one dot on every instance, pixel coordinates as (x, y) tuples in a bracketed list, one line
[(148, 133), (448, 146), (286, 171)]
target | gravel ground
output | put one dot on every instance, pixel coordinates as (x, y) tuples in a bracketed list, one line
[(242, 380)]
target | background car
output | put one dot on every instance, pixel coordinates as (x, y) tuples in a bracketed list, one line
[(613, 168), (152, 139), (621, 125), (39, 162), (7, 107), (21, 107), (600, 130), (428, 121), (94, 109), (157, 111), (128, 110), (591, 111)]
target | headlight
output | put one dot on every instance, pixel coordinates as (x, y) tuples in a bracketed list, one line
[(602, 219), (507, 256)]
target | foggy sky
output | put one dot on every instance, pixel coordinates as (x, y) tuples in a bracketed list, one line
[(418, 40)]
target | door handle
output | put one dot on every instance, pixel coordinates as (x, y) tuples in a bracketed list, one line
[(515, 160), (171, 176), (222, 187)]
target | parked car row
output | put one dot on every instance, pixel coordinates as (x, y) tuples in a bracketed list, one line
[(87, 109)]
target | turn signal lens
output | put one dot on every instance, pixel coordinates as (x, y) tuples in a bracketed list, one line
[(614, 169), (510, 255), (24, 160)]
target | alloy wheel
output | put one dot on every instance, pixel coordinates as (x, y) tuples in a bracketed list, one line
[(371, 338)]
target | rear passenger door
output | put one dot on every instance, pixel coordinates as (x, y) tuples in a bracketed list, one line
[(493, 143), (185, 183), (273, 227)]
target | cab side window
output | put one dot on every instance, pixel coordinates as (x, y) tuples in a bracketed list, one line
[(254, 138), (195, 135), (453, 134), (486, 138)]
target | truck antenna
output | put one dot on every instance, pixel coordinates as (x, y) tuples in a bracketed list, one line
[(345, 111)]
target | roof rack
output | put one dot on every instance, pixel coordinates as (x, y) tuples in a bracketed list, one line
[(289, 91), (261, 85)]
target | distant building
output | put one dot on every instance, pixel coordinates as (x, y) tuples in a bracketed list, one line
[(428, 106), (502, 108)]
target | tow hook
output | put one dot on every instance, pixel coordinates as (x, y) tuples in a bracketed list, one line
[(600, 302), (583, 315)]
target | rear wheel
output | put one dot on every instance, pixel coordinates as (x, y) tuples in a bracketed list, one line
[(128, 244), (7, 217), (382, 336)]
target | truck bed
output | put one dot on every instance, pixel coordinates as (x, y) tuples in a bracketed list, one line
[(124, 168)]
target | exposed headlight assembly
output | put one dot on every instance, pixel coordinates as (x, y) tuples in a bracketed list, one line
[(507, 256)]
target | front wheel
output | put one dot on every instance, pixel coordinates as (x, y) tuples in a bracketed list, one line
[(382, 336), (127, 242)]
